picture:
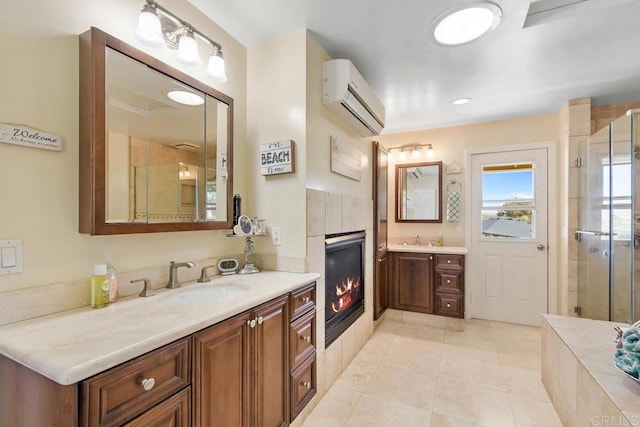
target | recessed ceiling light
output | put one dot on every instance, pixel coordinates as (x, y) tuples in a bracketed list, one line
[(461, 101), (465, 23), (186, 98)]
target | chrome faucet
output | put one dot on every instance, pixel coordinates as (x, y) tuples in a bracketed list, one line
[(173, 273), (417, 240)]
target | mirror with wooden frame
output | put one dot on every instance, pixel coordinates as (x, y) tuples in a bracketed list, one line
[(155, 144), (419, 192)]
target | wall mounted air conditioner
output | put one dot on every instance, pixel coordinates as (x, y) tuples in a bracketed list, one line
[(348, 94)]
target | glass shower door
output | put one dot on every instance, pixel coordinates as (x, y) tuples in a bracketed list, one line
[(606, 224)]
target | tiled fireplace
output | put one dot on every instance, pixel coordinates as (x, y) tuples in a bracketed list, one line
[(344, 282)]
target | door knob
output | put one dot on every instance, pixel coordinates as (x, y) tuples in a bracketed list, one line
[(541, 247)]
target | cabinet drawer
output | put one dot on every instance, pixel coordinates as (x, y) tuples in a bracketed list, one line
[(117, 395), (302, 300), (450, 261), (450, 304), (302, 338), (449, 281), (175, 412), (303, 385)]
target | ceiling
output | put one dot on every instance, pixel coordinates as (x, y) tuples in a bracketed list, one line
[(531, 65)]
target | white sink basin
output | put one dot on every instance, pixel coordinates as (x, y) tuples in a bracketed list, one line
[(204, 294)]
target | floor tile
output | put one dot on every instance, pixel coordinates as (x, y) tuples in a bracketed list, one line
[(533, 413), (373, 411), (481, 373)]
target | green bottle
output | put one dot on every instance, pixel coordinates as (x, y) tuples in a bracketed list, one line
[(99, 287)]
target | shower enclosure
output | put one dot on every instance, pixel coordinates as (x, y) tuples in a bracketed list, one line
[(608, 211)]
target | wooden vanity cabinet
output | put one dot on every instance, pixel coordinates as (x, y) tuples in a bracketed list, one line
[(427, 283), (412, 277), (241, 369), (302, 355), (449, 285)]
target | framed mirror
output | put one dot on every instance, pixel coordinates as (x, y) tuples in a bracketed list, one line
[(156, 148), (419, 192)]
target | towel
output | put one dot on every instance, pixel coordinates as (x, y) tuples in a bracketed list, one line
[(631, 340), (454, 206), (627, 361)]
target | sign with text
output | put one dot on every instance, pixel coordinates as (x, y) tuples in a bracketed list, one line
[(277, 157), (29, 137)]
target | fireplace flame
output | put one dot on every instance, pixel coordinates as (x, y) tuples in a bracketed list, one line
[(343, 292)]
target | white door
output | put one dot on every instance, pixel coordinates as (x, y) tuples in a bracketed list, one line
[(508, 254)]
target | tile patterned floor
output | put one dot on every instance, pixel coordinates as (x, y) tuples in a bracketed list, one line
[(412, 375)]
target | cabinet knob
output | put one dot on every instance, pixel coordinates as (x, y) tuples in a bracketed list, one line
[(430, 257), (147, 383), (307, 338), (251, 323), (306, 384), (260, 320), (448, 305), (306, 299), (448, 281), (448, 261), (379, 259)]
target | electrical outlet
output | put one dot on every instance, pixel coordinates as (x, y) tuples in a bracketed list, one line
[(275, 236)]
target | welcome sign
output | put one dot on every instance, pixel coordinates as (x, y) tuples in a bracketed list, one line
[(29, 137), (277, 157)]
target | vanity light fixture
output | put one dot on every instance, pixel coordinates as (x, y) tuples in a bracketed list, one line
[(414, 149), (154, 28), (465, 23), (184, 97)]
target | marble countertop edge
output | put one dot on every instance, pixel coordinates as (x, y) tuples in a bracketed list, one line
[(66, 348)]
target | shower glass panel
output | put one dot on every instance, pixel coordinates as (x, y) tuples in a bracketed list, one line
[(605, 233)]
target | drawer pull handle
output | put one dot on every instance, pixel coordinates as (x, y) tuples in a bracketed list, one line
[(448, 261), (251, 323), (448, 305), (448, 281), (260, 320), (306, 339), (306, 384), (147, 383), (306, 299)]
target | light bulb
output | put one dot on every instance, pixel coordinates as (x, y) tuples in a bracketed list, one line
[(149, 28), (389, 156), (430, 152), (402, 155), (188, 49), (215, 68), (416, 153)]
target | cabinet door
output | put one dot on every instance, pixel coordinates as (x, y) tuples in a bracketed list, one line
[(413, 282), (272, 367), (380, 285), (221, 383)]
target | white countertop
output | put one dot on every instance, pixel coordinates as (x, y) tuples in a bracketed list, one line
[(426, 249), (73, 345)]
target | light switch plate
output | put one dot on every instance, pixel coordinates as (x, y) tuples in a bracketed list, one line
[(10, 256)]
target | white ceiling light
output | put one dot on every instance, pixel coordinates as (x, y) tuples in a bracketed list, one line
[(186, 98), (465, 23), (461, 101)]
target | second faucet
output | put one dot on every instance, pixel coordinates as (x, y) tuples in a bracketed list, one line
[(173, 273)]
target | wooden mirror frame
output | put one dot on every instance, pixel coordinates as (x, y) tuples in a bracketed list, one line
[(399, 191), (92, 143)]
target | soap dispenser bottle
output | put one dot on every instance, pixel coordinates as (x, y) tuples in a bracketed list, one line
[(99, 287), (112, 277)]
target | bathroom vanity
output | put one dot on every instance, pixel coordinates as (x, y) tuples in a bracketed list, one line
[(243, 355), (427, 279)]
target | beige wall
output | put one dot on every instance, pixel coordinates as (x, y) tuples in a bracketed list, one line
[(449, 145), (39, 86)]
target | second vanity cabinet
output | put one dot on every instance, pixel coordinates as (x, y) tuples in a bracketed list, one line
[(427, 283)]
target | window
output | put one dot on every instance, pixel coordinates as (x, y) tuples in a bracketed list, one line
[(508, 201), (617, 197)]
